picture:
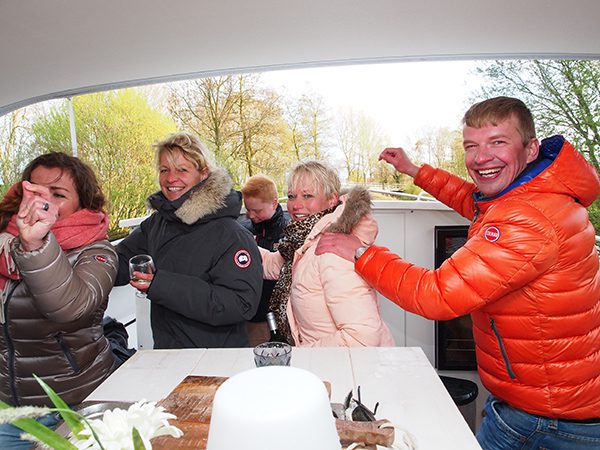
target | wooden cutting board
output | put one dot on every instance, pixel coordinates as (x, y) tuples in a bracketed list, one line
[(191, 401)]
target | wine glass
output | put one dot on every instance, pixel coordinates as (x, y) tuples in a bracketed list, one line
[(142, 264)]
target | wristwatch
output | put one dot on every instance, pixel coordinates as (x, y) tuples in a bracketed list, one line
[(359, 252)]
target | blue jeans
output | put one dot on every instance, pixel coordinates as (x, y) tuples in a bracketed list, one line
[(10, 436), (508, 428)]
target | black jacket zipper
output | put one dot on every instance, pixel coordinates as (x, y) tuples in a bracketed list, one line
[(67, 352), (511, 374), (10, 347)]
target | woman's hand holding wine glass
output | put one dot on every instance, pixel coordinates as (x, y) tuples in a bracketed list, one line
[(141, 271)]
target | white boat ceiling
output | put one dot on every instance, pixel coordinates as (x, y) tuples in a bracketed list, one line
[(58, 48)]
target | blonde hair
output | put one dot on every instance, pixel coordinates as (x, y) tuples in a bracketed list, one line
[(189, 145), (499, 109), (325, 177), (260, 187)]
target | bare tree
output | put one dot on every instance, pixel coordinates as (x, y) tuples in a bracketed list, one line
[(15, 150), (360, 140), (442, 147), (206, 107), (309, 122), (258, 118), (239, 120), (347, 139)]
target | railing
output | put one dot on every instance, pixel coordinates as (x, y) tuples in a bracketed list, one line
[(421, 196)]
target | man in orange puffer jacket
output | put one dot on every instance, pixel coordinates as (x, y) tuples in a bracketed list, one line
[(528, 274)]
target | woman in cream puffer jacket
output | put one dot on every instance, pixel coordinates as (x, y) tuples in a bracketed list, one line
[(329, 304)]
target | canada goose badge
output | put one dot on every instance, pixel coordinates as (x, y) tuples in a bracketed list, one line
[(242, 259), (492, 234)]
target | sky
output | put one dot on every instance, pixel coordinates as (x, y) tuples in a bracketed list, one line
[(403, 98)]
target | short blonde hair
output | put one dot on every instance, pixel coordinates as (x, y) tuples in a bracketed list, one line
[(325, 177), (260, 187), (189, 145), (499, 109)]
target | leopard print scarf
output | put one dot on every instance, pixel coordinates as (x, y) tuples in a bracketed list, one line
[(294, 236)]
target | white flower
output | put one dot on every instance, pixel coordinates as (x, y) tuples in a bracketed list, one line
[(114, 429)]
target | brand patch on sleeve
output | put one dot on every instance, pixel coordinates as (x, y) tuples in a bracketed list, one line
[(242, 259), (101, 259), (492, 234)]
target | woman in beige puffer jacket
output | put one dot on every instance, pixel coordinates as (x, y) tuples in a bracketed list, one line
[(326, 303)]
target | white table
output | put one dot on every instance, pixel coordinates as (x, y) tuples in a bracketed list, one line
[(401, 379)]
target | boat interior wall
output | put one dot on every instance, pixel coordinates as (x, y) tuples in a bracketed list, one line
[(60, 48)]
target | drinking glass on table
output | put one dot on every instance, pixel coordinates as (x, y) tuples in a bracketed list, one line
[(141, 264), (272, 354)]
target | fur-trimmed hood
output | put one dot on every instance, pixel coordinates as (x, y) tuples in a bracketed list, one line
[(213, 197), (357, 204), (352, 216)]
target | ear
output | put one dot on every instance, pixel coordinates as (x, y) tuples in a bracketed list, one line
[(275, 203), (204, 173), (533, 150), (334, 200)]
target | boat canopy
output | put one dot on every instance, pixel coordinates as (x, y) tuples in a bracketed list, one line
[(60, 48)]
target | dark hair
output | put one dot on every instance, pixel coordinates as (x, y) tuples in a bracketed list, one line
[(85, 181)]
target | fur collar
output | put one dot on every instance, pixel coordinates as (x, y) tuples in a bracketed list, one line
[(357, 204), (207, 199)]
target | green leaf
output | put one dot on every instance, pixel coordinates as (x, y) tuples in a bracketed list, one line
[(44, 434), (4, 405), (138, 444), (71, 418)]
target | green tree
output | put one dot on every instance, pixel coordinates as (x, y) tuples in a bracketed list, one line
[(115, 132), (563, 95)]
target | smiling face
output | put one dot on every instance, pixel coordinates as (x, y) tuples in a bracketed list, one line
[(62, 188), (305, 199), (177, 174), (495, 155)]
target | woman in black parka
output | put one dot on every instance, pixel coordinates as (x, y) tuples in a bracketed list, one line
[(208, 270)]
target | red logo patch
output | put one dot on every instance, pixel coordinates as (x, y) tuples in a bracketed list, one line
[(492, 234), (102, 259), (242, 259)]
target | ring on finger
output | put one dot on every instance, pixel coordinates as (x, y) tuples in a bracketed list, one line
[(46, 206)]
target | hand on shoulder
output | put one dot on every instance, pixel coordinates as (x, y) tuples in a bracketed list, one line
[(340, 244)]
